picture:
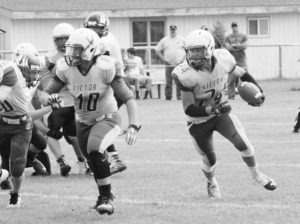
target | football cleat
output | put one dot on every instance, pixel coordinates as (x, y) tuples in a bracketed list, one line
[(104, 205), (14, 201), (38, 167), (264, 180), (64, 167), (117, 165), (3, 175), (213, 190)]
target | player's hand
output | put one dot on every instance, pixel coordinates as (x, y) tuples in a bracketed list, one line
[(131, 134), (221, 108), (262, 99), (55, 101), (55, 134)]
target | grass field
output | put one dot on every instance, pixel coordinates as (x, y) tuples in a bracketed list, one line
[(164, 183)]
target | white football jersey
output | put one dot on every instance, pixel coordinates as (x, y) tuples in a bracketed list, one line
[(92, 93), (17, 102), (207, 87)]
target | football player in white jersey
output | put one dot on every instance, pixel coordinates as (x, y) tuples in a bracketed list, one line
[(63, 118), (92, 78), (15, 124), (202, 79), (100, 24)]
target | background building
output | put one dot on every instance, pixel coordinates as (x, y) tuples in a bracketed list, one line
[(273, 26)]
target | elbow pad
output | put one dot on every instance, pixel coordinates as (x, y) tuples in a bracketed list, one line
[(196, 111)]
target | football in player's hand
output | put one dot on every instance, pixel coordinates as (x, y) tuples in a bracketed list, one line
[(251, 93)]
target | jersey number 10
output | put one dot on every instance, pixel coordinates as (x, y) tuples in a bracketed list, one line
[(89, 102)]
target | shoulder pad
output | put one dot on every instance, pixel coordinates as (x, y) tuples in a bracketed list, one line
[(185, 75), (105, 62), (61, 65), (5, 66), (181, 68), (225, 59)]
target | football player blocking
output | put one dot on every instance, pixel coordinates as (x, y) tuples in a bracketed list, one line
[(99, 23), (92, 78), (202, 79)]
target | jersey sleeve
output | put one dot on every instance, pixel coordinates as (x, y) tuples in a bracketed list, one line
[(8, 76), (225, 59), (60, 70), (181, 79)]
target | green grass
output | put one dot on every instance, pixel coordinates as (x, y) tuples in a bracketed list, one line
[(164, 183)]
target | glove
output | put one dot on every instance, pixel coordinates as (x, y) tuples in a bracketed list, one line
[(131, 134), (55, 134), (55, 101), (262, 97), (221, 108)]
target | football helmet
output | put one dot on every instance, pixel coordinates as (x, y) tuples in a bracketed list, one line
[(199, 48), (83, 45), (60, 34), (97, 22), (31, 73)]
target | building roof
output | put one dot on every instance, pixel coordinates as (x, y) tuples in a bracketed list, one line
[(76, 5), (128, 7)]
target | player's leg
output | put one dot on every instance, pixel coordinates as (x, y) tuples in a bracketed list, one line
[(117, 164), (19, 146), (55, 123), (38, 142), (39, 145), (69, 131), (100, 137), (5, 153), (202, 135), (230, 127), (297, 122)]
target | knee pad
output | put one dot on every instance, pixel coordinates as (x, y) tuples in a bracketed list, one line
[(207, 167), (99, 164), (249, 151), (17, 167)]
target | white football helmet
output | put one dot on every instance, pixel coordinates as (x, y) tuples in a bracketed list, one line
[(83, 45), (97, 22), (30, 72), (60, 34), (199, 47)]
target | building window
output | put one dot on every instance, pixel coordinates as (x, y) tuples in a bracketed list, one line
[(146, 33), (259, 27)]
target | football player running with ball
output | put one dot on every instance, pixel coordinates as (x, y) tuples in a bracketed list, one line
[(91, 78), (202, 79)]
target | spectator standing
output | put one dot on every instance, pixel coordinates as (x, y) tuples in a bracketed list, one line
[(236, 43), (171, 51), (135, 74)]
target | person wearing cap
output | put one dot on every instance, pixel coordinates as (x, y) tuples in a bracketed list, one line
[(236, 43), (171, 50)]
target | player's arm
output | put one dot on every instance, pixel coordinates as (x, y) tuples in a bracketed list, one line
[(39, 113), (245, 76), (123, 92), (9, 79), (54, 86), (125, 95), (188, 100)]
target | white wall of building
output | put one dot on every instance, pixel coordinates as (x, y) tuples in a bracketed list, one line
[(263, 62)]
